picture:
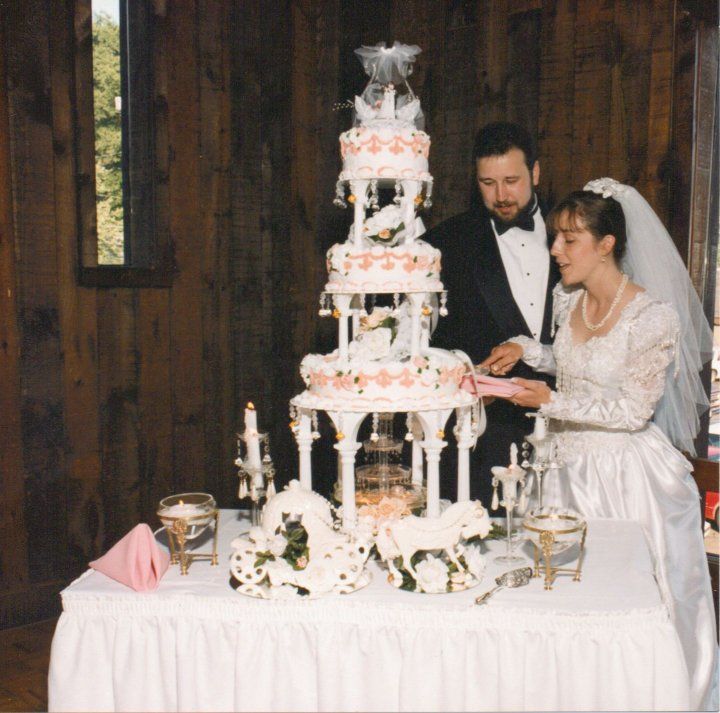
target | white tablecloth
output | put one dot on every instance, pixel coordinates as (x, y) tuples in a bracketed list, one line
[(604, 643)]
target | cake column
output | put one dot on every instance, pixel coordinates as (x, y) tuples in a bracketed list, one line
[(359, 192), (407, 204), (465, 441), (417, 454), (347, 425), (434, 426), (416, 300), (342, 307), (425, 325), (303, 436)]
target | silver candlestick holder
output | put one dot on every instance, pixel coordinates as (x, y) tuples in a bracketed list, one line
[(539, 452), (257, 482)]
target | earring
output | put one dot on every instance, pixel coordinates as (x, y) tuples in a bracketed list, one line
[(603, 259)]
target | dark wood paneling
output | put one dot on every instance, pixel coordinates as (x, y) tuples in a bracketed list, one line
[(557, 98), (262, 203), (185, 199), (77, 320), (118, 416), (660, 106), (44, 437), (214, 49), (13, 532)]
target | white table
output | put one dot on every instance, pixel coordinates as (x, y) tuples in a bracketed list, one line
[(604, 643)]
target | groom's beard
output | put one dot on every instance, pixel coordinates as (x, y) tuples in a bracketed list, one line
[(518, 215)]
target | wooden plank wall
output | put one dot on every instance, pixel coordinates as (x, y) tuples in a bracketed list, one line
[(112, 398)]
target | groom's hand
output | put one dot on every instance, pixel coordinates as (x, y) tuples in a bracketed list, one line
[(533, 395), (503, 358)]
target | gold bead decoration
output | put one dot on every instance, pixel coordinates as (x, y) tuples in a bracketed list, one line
[(427, 311), (440, 433), (351, 198), (339, 436), (418, 200), (292, 424), (336, 313)]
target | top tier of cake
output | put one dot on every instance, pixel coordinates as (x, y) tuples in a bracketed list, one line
[(386, 146)]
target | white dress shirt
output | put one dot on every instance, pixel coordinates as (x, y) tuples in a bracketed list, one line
[(526, 258)]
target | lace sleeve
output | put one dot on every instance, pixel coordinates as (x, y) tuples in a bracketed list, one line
[(651, 349), (538, 356)]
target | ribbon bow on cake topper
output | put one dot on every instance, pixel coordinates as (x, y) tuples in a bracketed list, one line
[(388, 64)]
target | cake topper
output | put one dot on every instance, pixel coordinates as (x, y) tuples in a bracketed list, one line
[(388, 94)]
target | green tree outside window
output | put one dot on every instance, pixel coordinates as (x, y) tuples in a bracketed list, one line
[(108, 140)]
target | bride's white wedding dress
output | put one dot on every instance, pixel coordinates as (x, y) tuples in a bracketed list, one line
[(618, 464)]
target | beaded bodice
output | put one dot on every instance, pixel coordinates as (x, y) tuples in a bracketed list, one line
[(610, 384)]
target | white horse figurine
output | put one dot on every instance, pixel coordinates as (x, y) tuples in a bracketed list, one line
[(408, 535)]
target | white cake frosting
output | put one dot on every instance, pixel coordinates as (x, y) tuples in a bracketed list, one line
[(412, 267), (385, 149), (429, 380)]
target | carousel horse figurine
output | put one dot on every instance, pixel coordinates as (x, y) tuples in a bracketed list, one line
[(406, 536)]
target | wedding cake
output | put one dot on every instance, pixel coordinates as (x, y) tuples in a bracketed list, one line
[(385, 292)]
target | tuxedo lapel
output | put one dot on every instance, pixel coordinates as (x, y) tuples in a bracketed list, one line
[(553, 278), (492, 283)]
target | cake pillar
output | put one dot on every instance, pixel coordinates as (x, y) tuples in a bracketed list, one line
[(407, 204), (359, 191), (416, 302), (342, 305), (417, 453), (434, 426), (347, 452), (303, 436), (426, 324), (347, 425), (465, 441)]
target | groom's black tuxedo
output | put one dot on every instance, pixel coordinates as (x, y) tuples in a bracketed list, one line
[(482, 314)]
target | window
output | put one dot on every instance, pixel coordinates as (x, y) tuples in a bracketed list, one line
[(123, 236)]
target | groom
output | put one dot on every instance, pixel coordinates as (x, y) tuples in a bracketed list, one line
[(499, 276)]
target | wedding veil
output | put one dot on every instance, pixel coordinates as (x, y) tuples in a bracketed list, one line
[(653, 262)]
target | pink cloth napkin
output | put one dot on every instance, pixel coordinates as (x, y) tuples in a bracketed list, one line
[(490, 386), (135, 561)]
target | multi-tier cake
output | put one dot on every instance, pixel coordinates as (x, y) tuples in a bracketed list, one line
[(384, 363)]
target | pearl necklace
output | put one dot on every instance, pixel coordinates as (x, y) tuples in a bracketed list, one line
[(615, 302)]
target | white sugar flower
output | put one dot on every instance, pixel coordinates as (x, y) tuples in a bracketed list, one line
[(432, 575), (386, 227), (365, 528), (371, 345), (280, 572), (606, 187), (374, 319), (475, 561), (277, 545)]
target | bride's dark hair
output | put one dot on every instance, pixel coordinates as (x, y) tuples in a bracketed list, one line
[(600, 216)]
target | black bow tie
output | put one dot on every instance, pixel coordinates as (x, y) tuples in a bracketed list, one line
[(524, 221)]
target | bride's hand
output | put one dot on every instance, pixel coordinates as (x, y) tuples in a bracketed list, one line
[(533, 395), (503, 358)]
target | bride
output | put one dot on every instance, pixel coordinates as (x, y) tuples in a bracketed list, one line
[(622, 353)]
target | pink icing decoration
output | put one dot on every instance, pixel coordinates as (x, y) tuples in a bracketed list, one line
[(365, 261), (384, 379)]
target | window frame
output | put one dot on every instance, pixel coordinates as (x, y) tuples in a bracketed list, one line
[(148, 251)]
